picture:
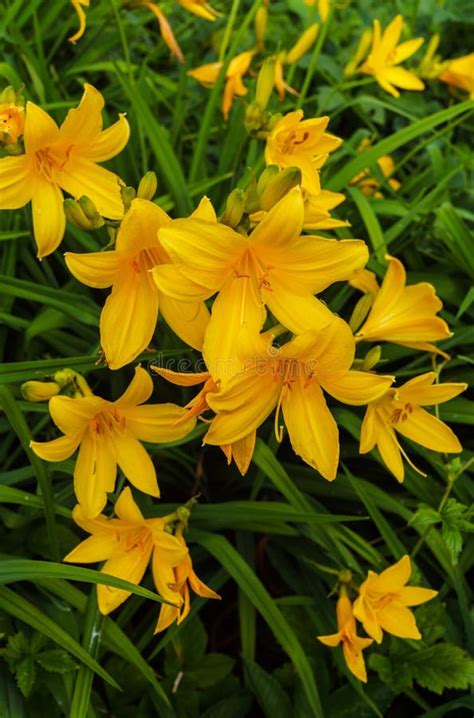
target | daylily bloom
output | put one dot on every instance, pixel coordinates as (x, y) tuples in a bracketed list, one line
[(431, 64), (201, 8), (403, 314), (299, 49), (292, 378), (383, 602), (12, 116), (317, 210), (129, 316), (241, 451), (108, 433), (295, 142), (399, 410), (126, 544), (460, 73), (385, 56), (173, 584), (369, 184), (207, 75), (352, 644), (272, 266), (78, 5), (64, 158)]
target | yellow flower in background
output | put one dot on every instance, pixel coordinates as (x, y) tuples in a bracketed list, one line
[(126, 544), (460, 73), (207, 75), (174, 584), (128, 319), (64, 158), (431, 64), (324, 7), (403, 314), (352, 644), (317, 210), (385, 56), (299, 49), (78, 5), (400, 410), (273, 266), (383, 602), (107, 434), (165, 30), (201, 8), (295, 142), (369, 184), (12, 116), (292, 378)]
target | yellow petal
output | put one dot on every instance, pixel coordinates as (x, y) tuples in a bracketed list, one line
[(138, 391), (98, 547), (416, 595), (129, 316), (158, 423), (15, 182), (80, 176), (427, 430), (281, 226), (130, 566), (135, 462), (188, 320), (72, 416), (399, 621), (355, 660), (405, 79), (140, 226), (95, 473), (206, 74), (168, 615), (422, 391), (391, 35), (313, 432), (406, 49), (84, 122), (95, 269), (357, 387), (166, 31), (82, 19), (181, 379), (200, 588), (49, 220), (205, 211), (126, 508), (369, 430), (164, 578), (331, 349), (57, 449), (332, 640), (40, 129), (297, 313), (171, 282), (365, 281), (169, 549), (242, 451), (364, 613), (393, 578), (389, 449)]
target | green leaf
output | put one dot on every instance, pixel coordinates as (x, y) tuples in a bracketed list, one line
[(371, 223), (25, 675), (56, 660), (441, 667), (271, 697), (425, 516)]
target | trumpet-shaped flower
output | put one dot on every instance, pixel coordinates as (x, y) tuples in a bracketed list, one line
[(292, 378), (108, 433), (369, 184), (174, 584), (352, 644), (460, 73), (295, 142), (402, 314), (383, 602), (126, 544), (129, 316), (207, 75), (64, 158), (273, 266), (400, 410), (78, 5), (385, 56)]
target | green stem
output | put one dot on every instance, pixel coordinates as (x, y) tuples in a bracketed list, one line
[(91, 642), (20, 427), (123, 39)]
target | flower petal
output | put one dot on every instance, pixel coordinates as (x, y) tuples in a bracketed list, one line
[(369, 430), (84, 122), (282, 225), (15, 182), (135, 463), (80, 176), (188, 320), (126, 508), (130, 566), (296, 312), (393, 578), (416, 595), (398, 620), (422, 391), (171, 282), (95, 473), (49, 220), (138, 391), (98, 547), (159, 423), (40, 129), (72, 416), (57, 449), (357, 387), (406, 49), (139, 228), (405, 79), (95, 269), (389, 449), (429, 431)]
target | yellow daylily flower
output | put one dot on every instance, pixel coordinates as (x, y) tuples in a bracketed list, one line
[(399, 410), (64, 158), (126, 544), (165, 30), (108, 433), (292, 378), (460, 73), (295, 142), (207, 75), (78, 5), (201, 8), (317, 210), (129, 316), (383, 602), (178, 580), (12, 122), (241, 451), (385, 56), (352, 644), (431, 64), (369, 184), (273, 266), (300, 48), (403, 314)]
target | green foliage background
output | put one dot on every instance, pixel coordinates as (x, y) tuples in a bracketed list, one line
[(272, 542)]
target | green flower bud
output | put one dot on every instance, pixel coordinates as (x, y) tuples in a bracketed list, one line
[(39, 390), (148, 186)]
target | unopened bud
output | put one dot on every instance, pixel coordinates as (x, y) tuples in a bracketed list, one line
[(147, 186), (90, 211), (323, 9), (75, 214), (183, 514), (265, 83), (372, 358), (254, 117), (64, 377), (234, 208), (279, 186), (128, 195), (302, 46), (261, 20), (345, 576), (361, 309), (269, 173), (12, 117), (39, 390), (360, 53)]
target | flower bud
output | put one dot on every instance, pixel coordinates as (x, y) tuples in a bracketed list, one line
[(345, 576), (265, 82), (360, 53), (128, 194), (39, 390), (147, 186), (360, 311), (261, 20), (372, 358), (90, 211), (254, 118), (75, 214), (302, 46), (323, 9), (234, 208), (278, 186)]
